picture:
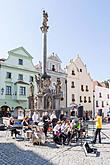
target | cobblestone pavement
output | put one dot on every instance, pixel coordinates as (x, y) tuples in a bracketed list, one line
[(13, 152)]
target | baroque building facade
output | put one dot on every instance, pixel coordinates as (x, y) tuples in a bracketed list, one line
[(56, 72), (79, 85), (16, 72)]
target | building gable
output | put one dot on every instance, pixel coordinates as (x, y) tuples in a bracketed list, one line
[(19, 58), (54, 57), (20, 51)]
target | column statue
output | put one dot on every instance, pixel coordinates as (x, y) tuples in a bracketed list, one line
[(31, 89), (45, 18), (58, 86)]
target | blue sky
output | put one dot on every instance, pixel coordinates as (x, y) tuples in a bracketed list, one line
[(76, 27)]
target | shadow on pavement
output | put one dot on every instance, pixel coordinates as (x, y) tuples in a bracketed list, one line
[(10, 154)]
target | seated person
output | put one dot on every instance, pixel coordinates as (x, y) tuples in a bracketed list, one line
[(11, 126), (57, 133), (38, 136), (25, 124)]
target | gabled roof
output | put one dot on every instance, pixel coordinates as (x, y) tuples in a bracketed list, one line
[(54, 57), (20, 51), (79, 59), (101, 84)]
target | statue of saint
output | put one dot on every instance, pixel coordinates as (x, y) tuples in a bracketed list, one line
[(39, 82), (49, 103), (31, 89), (45, 18), (58, 86)]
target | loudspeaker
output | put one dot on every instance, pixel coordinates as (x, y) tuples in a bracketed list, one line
[(100, 112), (80, 111)]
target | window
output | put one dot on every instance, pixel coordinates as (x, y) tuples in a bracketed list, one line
[(107, 96), (20, 62), (85, 99), (22, 91), (82, 89), (31, 79), (80, 70), (8, 75), (20, 77), (89, 99), (8, 90), (80, 99), (53, 67), (102, 103), (72, 84), (73, 97), (87, 88), (73, 73), (100, 95), (97, 105)]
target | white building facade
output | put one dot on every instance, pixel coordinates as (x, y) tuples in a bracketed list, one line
[(55, 71), (79, 85), (102, 98), (16, 72)]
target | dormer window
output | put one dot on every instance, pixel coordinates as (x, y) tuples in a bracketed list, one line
[(20, 62), (73, 73), (100, 95), (53, 67), (80, 70)]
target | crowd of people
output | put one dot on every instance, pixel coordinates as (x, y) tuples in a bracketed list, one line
[(63, 129)]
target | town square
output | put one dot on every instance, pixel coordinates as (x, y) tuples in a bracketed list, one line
[(54, 109)]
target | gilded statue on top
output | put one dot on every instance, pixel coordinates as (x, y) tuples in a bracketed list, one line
[(44, 27), (45, 18)]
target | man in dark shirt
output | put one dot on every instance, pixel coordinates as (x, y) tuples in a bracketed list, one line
[(46, 119)]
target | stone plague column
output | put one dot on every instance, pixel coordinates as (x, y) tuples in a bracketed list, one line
[(44, 82), (44, 29)]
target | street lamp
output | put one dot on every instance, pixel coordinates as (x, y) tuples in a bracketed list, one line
[(2, 91)]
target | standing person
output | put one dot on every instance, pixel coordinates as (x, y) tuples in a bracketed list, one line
[(98, 127), (35, 118), (62, 116), (46, 119)]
